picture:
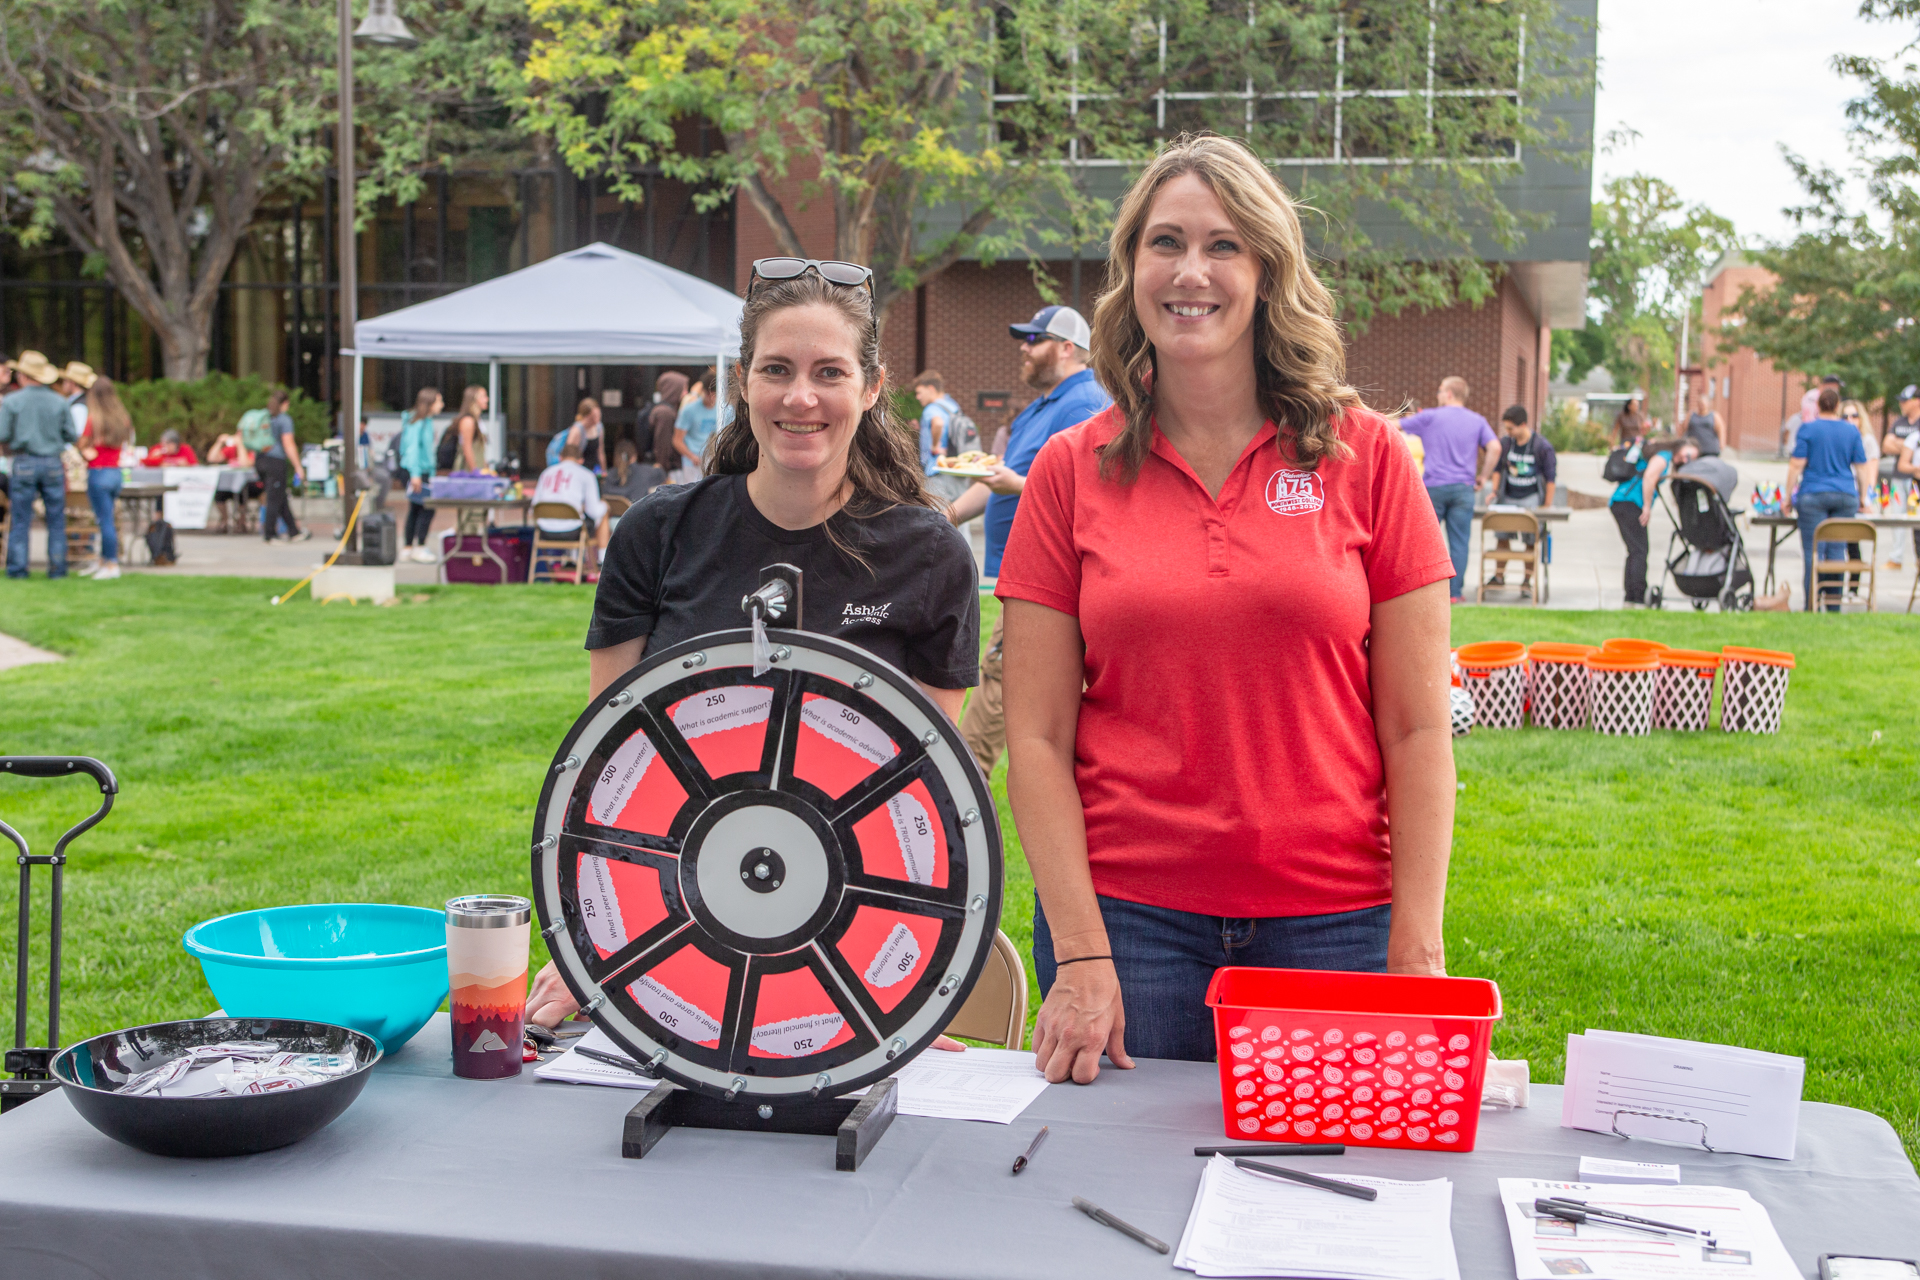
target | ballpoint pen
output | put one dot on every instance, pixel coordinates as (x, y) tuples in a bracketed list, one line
[(1274, 1149), (1104, 1218), (611, 1059), (1353, 1189), (1020, 1161), (1566, 1213), (1600, 1212)]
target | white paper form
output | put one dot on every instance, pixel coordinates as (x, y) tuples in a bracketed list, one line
[(576, 1068), (1246, 1224), (1729, 1099), (1745, 1245), (994, 1085)]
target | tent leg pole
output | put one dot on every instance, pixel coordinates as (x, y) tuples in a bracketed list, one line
[(496, 439)]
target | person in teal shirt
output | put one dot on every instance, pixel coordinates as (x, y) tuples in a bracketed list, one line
[(36, 428), (699, 418), (1632, 508), (416, 459)]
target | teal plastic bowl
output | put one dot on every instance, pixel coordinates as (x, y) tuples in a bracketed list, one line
[(381, 970)]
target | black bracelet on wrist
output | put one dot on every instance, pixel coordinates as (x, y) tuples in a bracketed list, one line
[(1078, 959)]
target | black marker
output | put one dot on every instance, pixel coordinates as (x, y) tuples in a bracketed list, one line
[(1101, 1216), (1020, 1161), (612, 1060), (1307, 1179)]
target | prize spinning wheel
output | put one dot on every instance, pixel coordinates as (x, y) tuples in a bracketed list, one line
[(767, 887)]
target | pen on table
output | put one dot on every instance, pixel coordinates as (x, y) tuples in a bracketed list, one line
[(1101, 1216), (1274, 1149), (611, 1059), (1353, 1189), (1567, 1213), (1020, 1161), (1600, 1212)]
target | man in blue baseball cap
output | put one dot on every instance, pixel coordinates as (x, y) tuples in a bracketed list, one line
[(1053, 361)]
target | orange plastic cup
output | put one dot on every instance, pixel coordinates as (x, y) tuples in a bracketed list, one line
[(1623, 644), (1557, 651), (1491, 653)]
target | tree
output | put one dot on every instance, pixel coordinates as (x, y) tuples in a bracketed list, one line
[(939, 129), (1651, 250), (1847, 296), (150, 132)]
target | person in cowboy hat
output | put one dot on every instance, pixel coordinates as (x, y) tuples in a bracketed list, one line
[(35, 427), (75, 381)]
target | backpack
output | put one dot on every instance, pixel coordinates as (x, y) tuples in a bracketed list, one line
[(160, 542), (448, 453), (962, 435), (1623, 464), (254, 431)]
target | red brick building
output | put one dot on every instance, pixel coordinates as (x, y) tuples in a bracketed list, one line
[(1752, 397)]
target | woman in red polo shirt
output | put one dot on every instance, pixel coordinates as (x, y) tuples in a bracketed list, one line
[(1226, 641)]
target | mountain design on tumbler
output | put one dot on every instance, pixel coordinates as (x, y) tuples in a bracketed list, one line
[(488, 1023)]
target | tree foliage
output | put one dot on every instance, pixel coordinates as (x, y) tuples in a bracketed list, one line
[(938, 130), (1847, 297), (1651, 251), (149, 132)]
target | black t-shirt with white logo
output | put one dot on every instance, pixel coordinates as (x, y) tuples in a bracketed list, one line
[(682, 558), (1523, 467)]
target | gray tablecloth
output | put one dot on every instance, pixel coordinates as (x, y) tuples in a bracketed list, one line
[(428, 1176)]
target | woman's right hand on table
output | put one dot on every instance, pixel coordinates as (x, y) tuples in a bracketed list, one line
[(1081, 1017), (550, 1003)]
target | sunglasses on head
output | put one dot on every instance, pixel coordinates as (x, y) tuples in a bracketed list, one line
[(849, 274)]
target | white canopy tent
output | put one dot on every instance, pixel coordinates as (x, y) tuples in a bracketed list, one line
[(596, 305)]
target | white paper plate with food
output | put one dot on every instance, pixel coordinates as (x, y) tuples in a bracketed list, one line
[(972, 463)]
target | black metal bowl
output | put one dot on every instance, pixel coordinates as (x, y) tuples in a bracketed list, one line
[(92, 1072)]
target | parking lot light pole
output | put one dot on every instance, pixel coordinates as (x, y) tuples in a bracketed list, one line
[(382, 27)]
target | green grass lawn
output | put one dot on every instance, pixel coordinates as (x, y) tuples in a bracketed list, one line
[(1758, 891)]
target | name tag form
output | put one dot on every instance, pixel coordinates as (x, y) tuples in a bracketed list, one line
[(1708, 1096)]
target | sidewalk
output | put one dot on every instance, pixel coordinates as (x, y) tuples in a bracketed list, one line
[(1589, 560)]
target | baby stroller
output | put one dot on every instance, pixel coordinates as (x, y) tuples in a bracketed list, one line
[(1706, 557)]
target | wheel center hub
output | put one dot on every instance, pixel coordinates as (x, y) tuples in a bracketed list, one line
[(762, 871)]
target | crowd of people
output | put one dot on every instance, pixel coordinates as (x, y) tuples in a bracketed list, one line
[(59, 425)]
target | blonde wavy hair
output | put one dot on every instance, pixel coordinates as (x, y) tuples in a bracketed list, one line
[(1300, 364)]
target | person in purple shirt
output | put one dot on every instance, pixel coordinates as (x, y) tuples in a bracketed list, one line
[(1461, 454)]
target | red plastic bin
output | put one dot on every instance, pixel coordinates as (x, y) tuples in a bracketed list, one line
[(1366, 1059)]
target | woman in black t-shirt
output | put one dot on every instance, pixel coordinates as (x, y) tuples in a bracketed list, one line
[(813, 471)]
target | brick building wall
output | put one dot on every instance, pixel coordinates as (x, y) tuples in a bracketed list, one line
[(1495, 347), (1750, 395)]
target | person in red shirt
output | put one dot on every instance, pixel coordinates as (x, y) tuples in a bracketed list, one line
[(171, 452), (1226, 641)]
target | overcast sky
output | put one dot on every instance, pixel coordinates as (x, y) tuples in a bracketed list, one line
[(1715, 86)]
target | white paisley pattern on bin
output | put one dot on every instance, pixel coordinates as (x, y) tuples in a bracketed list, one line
[(1345, 1083)]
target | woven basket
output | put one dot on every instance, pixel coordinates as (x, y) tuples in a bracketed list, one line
[(1621, 685), (1753, 689), (1683, 689), (1557, 694), (1495, 674)]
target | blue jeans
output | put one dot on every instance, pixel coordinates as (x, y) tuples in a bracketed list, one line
[(1453, 503), (103, 488), (47, 479), (1166, 958), (1812, 508)]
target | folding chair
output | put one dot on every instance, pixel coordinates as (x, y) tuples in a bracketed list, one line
[(1831, 575), (996, 1008), (1526, 523), (552, 551)]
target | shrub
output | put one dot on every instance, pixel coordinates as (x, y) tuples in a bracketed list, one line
[(1568, 430), (201, 410)]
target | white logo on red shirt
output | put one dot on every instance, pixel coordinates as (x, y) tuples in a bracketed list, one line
[(1295, 493)]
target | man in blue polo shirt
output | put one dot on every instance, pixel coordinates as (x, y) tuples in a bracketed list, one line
[(35, 428), (1053, 361)]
